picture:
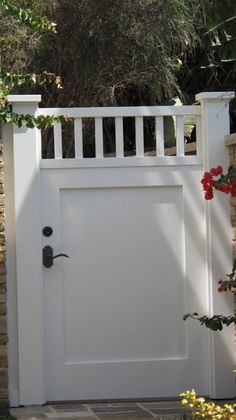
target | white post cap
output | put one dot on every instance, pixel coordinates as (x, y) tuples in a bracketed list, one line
[(24, 99), (215, 96)]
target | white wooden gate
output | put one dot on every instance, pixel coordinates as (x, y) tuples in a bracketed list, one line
[(144, 249)]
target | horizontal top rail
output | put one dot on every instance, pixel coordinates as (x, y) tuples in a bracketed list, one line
[(116, 136), (147, 161), (132, 111)]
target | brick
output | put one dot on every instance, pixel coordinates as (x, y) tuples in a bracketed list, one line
[(3, 393), (3, 289), (3, 378), (234, 233), (3, 339), (233, 211), (3, 363), (3, 271), (3, 279), (2, 256), (3, 325), (3, 352), (3, 309), (233, 220), (232, 201), (4, 403), (230, 140), (3, 298)]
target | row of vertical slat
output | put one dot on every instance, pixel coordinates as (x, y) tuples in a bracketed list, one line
[(119, 137)]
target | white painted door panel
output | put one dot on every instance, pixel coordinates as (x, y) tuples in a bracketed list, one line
[(113, 311)]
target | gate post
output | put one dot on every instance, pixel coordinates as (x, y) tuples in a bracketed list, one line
[(215, 126), (26, 164)]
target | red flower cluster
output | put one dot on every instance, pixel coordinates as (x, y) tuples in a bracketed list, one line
[(229, 284), (224, 183)]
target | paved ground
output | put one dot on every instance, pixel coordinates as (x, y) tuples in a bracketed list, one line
[(167, 410)]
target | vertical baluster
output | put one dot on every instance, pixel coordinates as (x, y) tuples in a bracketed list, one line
[(199, 136), (179, 135), (119, 137), (139, 137), (57, 141), (98, 137), (159, 126), (78, 136)]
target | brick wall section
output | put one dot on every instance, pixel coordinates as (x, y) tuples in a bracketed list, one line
[(230, 142), (3, 322)]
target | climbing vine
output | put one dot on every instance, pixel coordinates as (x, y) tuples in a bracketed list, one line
[(27, 17), (212, 181), (9, 81)]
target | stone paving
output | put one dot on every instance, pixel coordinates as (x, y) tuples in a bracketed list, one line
[(162, 410)]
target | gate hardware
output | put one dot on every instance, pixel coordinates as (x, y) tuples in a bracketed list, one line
[(47, 231), (48, 256)]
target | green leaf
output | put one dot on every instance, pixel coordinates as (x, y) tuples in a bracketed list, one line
[(27, 17)]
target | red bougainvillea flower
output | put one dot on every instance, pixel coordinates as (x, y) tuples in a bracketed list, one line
[(215, 180), (224, 188), (207, 176), (209, 195), (216, 171)]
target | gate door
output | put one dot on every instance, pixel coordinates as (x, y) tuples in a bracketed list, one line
[(113, 310)]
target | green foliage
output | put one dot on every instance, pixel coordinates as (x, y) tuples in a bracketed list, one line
[(41, 121), (212, 63), (202, 409), (9, 81), (27, 17), (215, 322), (119, 52)]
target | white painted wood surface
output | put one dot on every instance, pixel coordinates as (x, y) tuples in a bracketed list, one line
[(215, 126), (98, 137), (27, 208), (119, 135), (118, 113), (159, 136), (57, 141), (149, 207), (131, 111), (114, 309), (179, 136), (139, 137), (78, 127)]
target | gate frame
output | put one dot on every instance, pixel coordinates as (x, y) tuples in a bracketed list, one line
[(24, 250)]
